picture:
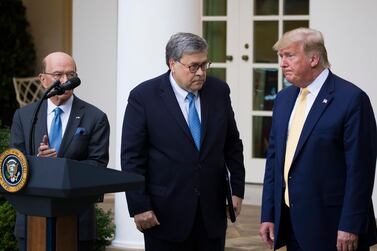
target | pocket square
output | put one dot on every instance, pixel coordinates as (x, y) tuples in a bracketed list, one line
[(80, 131)]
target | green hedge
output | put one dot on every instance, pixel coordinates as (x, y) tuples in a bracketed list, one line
[(7, 213)]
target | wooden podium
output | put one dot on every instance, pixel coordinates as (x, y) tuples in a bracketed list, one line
[(57, 191)]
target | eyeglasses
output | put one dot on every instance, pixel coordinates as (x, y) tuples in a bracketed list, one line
[(195, 67), (58, 75)]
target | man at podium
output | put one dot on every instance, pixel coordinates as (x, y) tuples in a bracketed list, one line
[(67, 127)]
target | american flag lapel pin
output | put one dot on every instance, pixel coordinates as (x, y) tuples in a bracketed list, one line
[(324, 101), (77, 117)]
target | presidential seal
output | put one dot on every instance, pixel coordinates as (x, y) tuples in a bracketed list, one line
[(14, 170)]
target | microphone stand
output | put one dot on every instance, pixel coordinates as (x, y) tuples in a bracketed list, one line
[(55, 85)]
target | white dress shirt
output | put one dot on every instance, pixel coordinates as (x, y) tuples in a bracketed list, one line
[(64, 116), (313, 89), (183, 102)]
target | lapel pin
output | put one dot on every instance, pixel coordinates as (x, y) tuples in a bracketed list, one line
[(77, 117), (324, 101)]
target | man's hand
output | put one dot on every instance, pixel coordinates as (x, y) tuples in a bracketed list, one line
[(145, 220), (237, 204), (44, 149), (346, 241), (266, 232)]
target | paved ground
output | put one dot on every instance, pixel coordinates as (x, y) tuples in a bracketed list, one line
[(241, 236)]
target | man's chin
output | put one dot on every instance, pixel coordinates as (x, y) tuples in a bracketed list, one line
[(196, 88), (60, 99)]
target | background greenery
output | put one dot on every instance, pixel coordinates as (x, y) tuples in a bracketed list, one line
[(17, 54), (7, 213), (106, 228)]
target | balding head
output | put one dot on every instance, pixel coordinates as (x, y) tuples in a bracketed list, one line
[(57, 66), (56, 56)]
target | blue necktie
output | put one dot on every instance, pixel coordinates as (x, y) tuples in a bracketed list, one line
[(193, 120), (56, 130)]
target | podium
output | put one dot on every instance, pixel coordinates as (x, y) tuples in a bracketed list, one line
[(57, 191)]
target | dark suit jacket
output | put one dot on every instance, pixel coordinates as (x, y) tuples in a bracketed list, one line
[(157, 144), (89, 144), (332, 173)]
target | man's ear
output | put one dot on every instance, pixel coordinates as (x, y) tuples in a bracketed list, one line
[(43, 80), (314, 59), (171, 64)]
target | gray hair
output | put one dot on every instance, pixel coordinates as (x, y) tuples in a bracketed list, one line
[(310, 39), (184, 43)]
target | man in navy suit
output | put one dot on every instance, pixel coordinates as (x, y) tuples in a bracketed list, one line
[(182, 206), (323, 202), (85, 135)]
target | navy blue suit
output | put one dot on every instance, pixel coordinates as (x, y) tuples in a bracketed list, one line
[(157, 144), (332, 173)]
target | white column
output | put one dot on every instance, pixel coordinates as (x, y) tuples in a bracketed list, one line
[(94, 48), (144, 27)]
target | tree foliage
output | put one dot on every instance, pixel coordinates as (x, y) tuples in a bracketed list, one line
[(17, 54)]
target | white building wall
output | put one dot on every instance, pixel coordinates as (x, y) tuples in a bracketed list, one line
[(350, 37), (94, 41)]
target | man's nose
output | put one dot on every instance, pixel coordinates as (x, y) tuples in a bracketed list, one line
[(63, 78), (283, 62), (200, 72)]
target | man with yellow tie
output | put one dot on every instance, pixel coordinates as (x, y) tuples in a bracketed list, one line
[(322, 155)]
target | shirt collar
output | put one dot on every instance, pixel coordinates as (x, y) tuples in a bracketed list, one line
[(179, 91), (317, 84), (65, 107)]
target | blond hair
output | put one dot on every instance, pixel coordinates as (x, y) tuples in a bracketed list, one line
[(310, 39)]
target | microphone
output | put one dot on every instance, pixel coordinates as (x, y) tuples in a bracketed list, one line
[(58, 90), (69, 85)]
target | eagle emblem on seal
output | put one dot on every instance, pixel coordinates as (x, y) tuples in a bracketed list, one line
[(12, 173)]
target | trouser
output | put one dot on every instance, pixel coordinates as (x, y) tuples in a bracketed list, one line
[(197, 240)]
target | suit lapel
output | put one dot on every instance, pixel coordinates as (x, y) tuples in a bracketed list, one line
[(204, 110), (172, 106), (322, 101), (283, 115), (77, 112), (41, 126)]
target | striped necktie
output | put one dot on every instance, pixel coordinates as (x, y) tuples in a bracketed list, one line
[(193, 120)]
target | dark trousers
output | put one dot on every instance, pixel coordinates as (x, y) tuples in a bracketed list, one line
[(198, 240), (83, 245), (287, 232)]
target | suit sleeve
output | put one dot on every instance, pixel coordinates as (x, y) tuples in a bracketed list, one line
[(268, 208), (359, 139), (234, 153), (134, 153), (17, 133), (98, 147)]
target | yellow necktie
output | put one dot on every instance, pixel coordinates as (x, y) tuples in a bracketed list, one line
[(297, 124)]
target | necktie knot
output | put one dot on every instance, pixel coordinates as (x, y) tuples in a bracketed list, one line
[(58, 111), (304, 93), (190, 96)]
